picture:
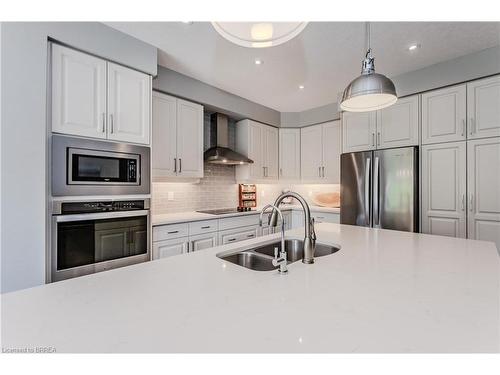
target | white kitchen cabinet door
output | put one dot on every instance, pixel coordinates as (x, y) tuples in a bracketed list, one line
[(289, 149), (271, 152), (358, 131), (129, 104), (167, 248), (331, 146), (202, 241), (78, 93), (397, 125), (483, 108), (444, 189), (164, 139), (189, 139), (444, 115), (483, 180), (297, 219), (311, 151)]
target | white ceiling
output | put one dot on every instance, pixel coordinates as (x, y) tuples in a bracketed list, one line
[(324, 58)]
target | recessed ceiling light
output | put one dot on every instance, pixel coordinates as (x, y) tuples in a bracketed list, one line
[(301, 87), (413, 47), (258, 62)]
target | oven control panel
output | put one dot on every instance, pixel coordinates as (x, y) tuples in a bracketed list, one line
[(101, 206)]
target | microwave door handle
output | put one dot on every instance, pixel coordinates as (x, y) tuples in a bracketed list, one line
[(367, 191), (376, 198), (100, 215)]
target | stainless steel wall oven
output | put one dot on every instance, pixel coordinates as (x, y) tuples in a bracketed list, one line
[(89, 237)]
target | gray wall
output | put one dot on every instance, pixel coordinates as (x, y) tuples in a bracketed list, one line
[(213, 98), (24, 132), (465, 68)]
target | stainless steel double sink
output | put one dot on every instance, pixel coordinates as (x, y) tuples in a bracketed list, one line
[(260, 258)]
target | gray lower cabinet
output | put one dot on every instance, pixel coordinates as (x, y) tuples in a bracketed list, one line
[(202, 241), (167, 248)]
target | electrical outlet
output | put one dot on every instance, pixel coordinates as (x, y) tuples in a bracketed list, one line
[(170, 195)]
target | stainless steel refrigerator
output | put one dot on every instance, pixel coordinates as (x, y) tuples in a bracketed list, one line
[(380, 189)]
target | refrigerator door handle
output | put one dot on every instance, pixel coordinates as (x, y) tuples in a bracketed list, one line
[(376, 200), (367, 191)]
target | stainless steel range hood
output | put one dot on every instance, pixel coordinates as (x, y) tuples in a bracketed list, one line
[(219, 152)]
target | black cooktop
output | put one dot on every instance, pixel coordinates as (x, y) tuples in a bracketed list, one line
[(224, 211)]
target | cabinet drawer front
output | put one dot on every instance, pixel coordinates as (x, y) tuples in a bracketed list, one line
[(238, 221), (236, 235), (167, 232), (325, 217), (206, 226)]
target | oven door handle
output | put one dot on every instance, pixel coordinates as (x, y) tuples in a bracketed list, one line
[(99, 215)]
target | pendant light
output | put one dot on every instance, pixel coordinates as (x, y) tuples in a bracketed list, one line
[(370, 91)]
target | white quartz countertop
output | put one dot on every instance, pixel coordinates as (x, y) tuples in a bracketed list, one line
[(384, 291), (188, 216)]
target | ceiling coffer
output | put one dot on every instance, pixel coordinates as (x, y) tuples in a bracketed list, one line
[(219, 151)]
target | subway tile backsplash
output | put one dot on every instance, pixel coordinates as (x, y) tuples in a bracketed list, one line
[(218, 189)]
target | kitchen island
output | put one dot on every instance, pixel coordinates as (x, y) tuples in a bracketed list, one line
[(384, 291)]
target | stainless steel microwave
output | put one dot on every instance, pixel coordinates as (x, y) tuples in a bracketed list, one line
[(93, 167)]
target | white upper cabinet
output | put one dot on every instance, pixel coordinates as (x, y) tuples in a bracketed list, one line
[(164, 138), (483, 108), (177, 144), (397, 125), (311, 151), (331, 146), (78, 93), (189, 139), (86, 103), (260, 143), (271, 152), (444, 189), (289, 150), (483, 185), (444, 115), (320, 153), (129, 104), (358, 131)]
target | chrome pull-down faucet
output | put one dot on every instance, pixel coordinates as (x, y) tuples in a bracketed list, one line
[(309, 232)]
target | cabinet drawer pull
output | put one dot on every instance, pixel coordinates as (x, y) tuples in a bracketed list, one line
[(173, 232), (250, 235), (208, 226), (231, 240)]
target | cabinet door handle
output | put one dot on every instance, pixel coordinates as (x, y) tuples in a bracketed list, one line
[(112, 123), (175, 165), (264, 171), (281, 172), (373, 139), (378, 138), (323, 171), (463, 202), (463, 127), (472, 126), (471, 204), (103, 122), (180, 165)]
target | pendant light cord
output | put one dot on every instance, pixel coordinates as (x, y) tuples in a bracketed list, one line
[(368, 39)]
